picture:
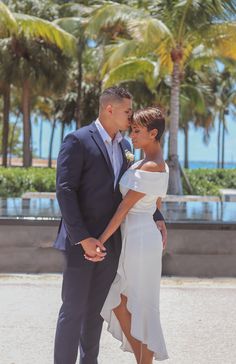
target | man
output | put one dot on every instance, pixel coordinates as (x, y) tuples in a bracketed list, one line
[(90, 164)]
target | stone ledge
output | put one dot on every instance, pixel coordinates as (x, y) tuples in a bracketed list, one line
[(191, 198), (28, 195), (228, 194)]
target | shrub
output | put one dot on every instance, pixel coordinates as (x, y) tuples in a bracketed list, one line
[(210, 181), (15, 181)]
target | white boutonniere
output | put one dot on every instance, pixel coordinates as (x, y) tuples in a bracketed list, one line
[(129, 156)]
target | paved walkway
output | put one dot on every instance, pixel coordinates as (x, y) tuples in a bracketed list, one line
[(198, 318)]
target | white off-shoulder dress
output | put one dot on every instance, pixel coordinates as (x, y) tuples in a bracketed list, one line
[(139, 271)]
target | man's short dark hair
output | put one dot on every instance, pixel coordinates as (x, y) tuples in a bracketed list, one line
[(114, 93)]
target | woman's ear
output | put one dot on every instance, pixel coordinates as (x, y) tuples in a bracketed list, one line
[(154, 133)]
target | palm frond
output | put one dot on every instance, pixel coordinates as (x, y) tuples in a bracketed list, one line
[(200, 56), (120, 51), (224, 37), (149, 30), (187, 52), (109, 14), (133, 70), (194, 13), (232, 98), (8, 24), (33, 27), (196, 96), (73, 25), (163, 52), (75, 10)]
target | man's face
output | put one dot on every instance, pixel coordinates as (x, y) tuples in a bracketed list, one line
[(121, 113)]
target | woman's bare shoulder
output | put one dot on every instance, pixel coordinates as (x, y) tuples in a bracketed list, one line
[(152, 166)]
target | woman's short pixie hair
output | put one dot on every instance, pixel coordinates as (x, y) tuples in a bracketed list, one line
[(151, 118)]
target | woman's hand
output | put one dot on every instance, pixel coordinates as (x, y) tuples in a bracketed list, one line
[(94, 250), (162, 227)]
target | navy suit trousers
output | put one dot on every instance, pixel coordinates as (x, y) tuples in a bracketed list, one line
[(84, 290)]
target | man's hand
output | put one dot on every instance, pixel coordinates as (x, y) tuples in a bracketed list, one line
[(162, 227), (94, 250)]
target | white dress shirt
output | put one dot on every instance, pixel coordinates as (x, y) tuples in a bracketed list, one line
[(113, 149)]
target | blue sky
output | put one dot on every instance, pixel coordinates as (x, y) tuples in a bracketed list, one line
[(198, 151)]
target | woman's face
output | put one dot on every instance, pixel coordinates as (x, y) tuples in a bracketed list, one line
[(141, 137)]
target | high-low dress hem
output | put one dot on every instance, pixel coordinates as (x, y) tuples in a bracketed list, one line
[(115, 329)]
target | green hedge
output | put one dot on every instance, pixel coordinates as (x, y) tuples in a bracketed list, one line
[(209, 181), (15, 181)]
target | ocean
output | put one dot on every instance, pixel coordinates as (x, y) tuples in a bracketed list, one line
[(204, 164)]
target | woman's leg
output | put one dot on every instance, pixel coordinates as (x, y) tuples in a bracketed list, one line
[(124, 318), (146, 355)]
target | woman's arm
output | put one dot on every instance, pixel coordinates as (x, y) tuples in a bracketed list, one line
[(161, 224), (159, 203), (130, 199)]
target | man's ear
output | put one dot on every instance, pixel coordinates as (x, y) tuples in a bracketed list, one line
[(109, 109)]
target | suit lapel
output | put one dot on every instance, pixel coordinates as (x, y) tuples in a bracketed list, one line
[(100, 143), (125, 162)]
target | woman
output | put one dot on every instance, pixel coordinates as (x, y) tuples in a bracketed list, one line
[(132, 305)]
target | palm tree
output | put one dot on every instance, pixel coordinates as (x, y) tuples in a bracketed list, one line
[(24, 31), (170, 32), (42, 114), (77, 26), (6, 21), (5, 90), (227, 97), (191, 103), (75, 20), (195, 101), (222, 101)]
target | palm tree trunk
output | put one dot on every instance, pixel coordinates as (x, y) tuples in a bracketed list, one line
[(186, 162), (12, 137), (62, 131), (142, 156), (31, 142), (40, 138), (26, 124), (175, 185), (51, 143), (218, 143), (79, 87), (5, 130), (168, 147), (162, 142), (223, 145)]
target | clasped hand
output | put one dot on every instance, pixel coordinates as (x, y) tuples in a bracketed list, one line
[(94, 250)]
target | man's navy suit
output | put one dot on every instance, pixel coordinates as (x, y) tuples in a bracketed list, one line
[(87, 199)]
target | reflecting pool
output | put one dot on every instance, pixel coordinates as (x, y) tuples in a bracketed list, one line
[(190, 211)]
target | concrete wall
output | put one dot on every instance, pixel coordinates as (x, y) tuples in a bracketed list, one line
[(27, 247), (201, 250)]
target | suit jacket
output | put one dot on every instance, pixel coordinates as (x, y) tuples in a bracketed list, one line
[(85, 189)]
